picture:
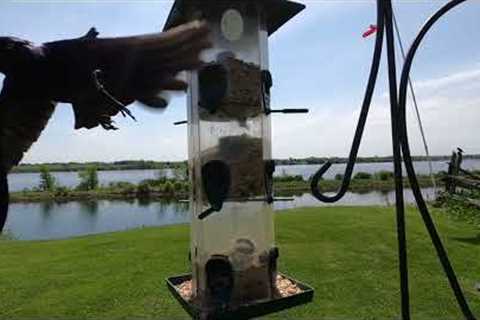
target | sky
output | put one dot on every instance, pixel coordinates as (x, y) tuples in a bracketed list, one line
[(318, 60)]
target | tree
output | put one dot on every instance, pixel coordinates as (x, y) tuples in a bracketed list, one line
[(363, 176), (178, 173), (162, 175), (144, 189), (88, 179), (47, 180), (177, 186), (168, 188), (384, 175)]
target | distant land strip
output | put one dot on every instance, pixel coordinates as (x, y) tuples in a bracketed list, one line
[(156, 165)]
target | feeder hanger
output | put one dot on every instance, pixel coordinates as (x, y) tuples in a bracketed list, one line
[(400, 147)]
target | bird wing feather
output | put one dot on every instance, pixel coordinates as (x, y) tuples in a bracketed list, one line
[(22, 120), (132, 69), (141, 66)]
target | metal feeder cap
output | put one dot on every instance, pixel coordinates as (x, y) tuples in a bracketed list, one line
[(278, 12)]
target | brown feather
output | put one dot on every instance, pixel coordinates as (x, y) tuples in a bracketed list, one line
[(136, 68), (132, 68), (21, 123)]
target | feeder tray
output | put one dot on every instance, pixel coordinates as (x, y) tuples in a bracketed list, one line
[(247, 311)]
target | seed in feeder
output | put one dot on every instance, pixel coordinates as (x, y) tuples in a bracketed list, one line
[(185, 290), (244, 156), (231, 90), (286, 287), (252, 284)]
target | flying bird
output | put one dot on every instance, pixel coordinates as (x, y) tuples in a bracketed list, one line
[(99, 77)]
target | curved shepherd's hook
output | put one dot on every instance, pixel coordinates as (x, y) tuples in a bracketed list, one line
[(377, 55), (422, 206)]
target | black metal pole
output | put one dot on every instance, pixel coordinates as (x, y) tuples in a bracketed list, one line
[(421, 204), (397, 161), (400, 146)]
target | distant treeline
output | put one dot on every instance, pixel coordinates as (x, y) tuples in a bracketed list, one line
[(375, 159), (155, 165), (101, 166)]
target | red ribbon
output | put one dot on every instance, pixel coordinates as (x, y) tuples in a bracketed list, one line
[(371, 30)]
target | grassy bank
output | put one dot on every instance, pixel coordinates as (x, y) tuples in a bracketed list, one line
[(463, 205), (97, 194), (347, 254), (178, 190), (294, 184)]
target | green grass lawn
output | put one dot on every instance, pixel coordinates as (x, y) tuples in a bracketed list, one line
[(347, 254)]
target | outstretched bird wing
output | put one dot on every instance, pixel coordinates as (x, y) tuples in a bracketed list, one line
[(98, 76), (105, 74), (22, 120)]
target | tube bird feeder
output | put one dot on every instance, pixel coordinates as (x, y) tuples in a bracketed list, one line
[(232, 249)]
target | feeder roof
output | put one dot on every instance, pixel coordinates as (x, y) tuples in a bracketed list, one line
[(278, 12)]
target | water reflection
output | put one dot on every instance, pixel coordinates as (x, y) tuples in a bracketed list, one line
[(382, 198), (47, 208), (144, 202), (52, 220), (385, 198), (89, 206)]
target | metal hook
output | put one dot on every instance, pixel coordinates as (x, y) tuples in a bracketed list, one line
[(377, 55), (421, 204)]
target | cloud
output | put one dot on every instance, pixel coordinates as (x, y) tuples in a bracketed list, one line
[(450, 109), (459, 79)]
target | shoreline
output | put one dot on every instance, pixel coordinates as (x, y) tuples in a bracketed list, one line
[(128, 165), (133, 192)]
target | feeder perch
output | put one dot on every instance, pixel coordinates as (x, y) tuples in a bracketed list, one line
[(232, 250)]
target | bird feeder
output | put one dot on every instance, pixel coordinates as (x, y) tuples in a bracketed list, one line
[(232, 251)]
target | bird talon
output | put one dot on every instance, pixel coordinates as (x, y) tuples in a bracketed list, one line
[(119, 106)]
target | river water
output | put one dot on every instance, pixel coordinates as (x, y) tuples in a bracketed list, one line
[(34, 221), (20, 181), (42, 221)]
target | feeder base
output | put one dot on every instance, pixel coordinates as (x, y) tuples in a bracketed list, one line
[(248, 311)]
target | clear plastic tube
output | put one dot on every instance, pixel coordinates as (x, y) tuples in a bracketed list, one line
[(236, 131)]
